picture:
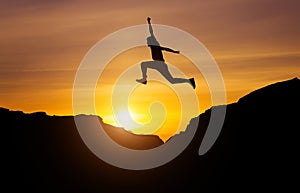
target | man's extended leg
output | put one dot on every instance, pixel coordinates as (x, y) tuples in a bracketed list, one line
[(163, 69)]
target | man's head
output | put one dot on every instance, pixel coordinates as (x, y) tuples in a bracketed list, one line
[(151, 41)]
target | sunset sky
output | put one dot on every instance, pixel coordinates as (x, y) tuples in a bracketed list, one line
[(254, 42)]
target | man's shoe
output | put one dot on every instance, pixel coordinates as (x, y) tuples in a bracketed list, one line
[(141, 81), (192, 80)]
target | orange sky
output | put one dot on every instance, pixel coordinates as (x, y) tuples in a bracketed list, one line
[(255, 42)]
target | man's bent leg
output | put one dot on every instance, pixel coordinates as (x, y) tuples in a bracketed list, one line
[(144, 66)]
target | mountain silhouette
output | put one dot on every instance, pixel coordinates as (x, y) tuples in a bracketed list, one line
[(40, 120), (257, 150), (131, 140)]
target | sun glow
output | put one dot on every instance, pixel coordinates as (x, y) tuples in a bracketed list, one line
[(155, 108), (122, 119)]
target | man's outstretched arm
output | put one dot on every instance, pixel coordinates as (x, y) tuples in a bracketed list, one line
[(150, 27), (170, 50)]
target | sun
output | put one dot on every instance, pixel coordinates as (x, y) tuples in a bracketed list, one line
[(129, 120)]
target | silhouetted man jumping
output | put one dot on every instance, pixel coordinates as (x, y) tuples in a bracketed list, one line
[(158, 62)]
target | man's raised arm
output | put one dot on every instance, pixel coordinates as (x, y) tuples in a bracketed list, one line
[(150, 27)]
